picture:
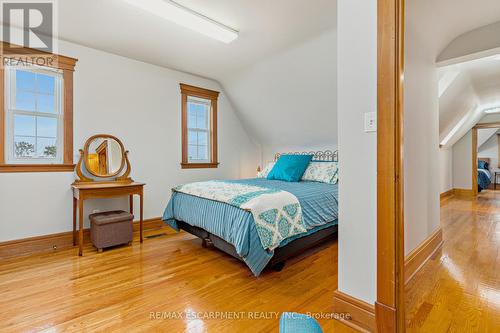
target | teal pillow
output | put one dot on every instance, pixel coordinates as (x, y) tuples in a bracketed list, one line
[(290, 168), (291, 322)]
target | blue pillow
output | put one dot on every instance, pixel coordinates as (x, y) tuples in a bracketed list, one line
[(291, 322), (290, 168)]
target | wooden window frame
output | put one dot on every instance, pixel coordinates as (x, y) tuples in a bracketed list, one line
[(192, 91), (67, 66)]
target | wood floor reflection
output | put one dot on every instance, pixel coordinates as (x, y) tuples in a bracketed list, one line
[(458, 290), (148, 287)]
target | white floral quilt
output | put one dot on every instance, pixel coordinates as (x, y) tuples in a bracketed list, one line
[(277, 214)]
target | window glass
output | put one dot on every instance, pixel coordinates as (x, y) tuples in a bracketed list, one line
[(34, 117), (198, 129)]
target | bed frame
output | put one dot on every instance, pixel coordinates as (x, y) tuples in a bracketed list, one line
[(281, 254)]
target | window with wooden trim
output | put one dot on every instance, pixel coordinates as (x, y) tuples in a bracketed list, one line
[(199, 127), (36, 112)]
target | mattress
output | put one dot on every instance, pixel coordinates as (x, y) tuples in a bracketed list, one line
[(319, 202)]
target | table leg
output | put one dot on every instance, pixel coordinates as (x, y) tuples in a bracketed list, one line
[(80, 230), (74, 220), (131, 204), (141, 214)]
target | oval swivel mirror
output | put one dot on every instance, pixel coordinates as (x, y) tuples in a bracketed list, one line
[(105, 158)]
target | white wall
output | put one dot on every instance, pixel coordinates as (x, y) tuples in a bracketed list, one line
[(140, 104), (445, 169), (462, 166), (289, 100), (421, 138), (357, 94)]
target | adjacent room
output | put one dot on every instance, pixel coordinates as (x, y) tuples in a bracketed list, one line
[(452, 98)]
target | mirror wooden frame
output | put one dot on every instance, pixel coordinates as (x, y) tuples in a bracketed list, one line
[(119, 176)]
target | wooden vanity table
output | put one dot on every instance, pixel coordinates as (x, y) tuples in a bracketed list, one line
[(103, 172), (83, 191)]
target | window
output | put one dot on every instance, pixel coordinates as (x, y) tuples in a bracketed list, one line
[(34, 119), (36, 116), (199, 127)]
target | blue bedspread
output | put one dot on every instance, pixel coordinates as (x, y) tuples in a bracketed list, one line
[(319, 207), (483, 179)]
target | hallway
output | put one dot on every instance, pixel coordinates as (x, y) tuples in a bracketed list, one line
[(457, 290)]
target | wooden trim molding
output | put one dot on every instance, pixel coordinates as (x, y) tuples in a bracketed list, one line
[(474, 162), (419, 256), (64, 240), (390, 307), (446, 194), (25, 55), (199, 165), (361, 315), (488, 125), (11, 168), (186, 91), (463, 192), (67, 66), (498, 150)]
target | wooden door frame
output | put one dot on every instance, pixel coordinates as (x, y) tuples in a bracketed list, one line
[(389, 307), (474, 152)]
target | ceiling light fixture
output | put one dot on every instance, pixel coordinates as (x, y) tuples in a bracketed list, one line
[(492, 110), (187, 18)]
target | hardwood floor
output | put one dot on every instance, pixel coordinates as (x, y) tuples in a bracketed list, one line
[(458, 290), (135, 288)]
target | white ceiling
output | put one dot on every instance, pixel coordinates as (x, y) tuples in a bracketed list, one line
[(438, 23), (485, 77), (281, 69), (265, 27)]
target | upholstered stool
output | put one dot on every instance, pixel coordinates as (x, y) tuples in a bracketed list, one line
[(111, 228)]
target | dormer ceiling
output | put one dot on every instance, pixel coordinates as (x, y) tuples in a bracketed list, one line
[(451, 29), (265, 28), (279, 74)]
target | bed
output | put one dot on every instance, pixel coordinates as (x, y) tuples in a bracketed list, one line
[(483, 173), (238, 232)]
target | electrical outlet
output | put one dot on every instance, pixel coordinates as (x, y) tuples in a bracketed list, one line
[(370, 122)]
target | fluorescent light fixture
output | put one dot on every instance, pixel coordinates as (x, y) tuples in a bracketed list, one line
[(492, 110), (187, 18)]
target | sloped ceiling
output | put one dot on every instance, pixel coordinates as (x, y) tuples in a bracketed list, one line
[(484, 135), (474, 90), (440, 22), (279, 74), (289, 100)]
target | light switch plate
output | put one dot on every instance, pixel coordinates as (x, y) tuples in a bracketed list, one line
[(370, 122)]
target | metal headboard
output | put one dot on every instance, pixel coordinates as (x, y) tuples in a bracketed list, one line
[(325, 155)]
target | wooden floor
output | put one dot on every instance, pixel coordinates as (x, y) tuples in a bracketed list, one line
[(167, 284), (172, 284), (459, 289)]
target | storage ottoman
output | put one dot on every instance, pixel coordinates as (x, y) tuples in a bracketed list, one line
[(111, 228)]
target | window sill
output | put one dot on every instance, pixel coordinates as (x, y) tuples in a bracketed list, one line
[(4, 168), (199, 165)]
